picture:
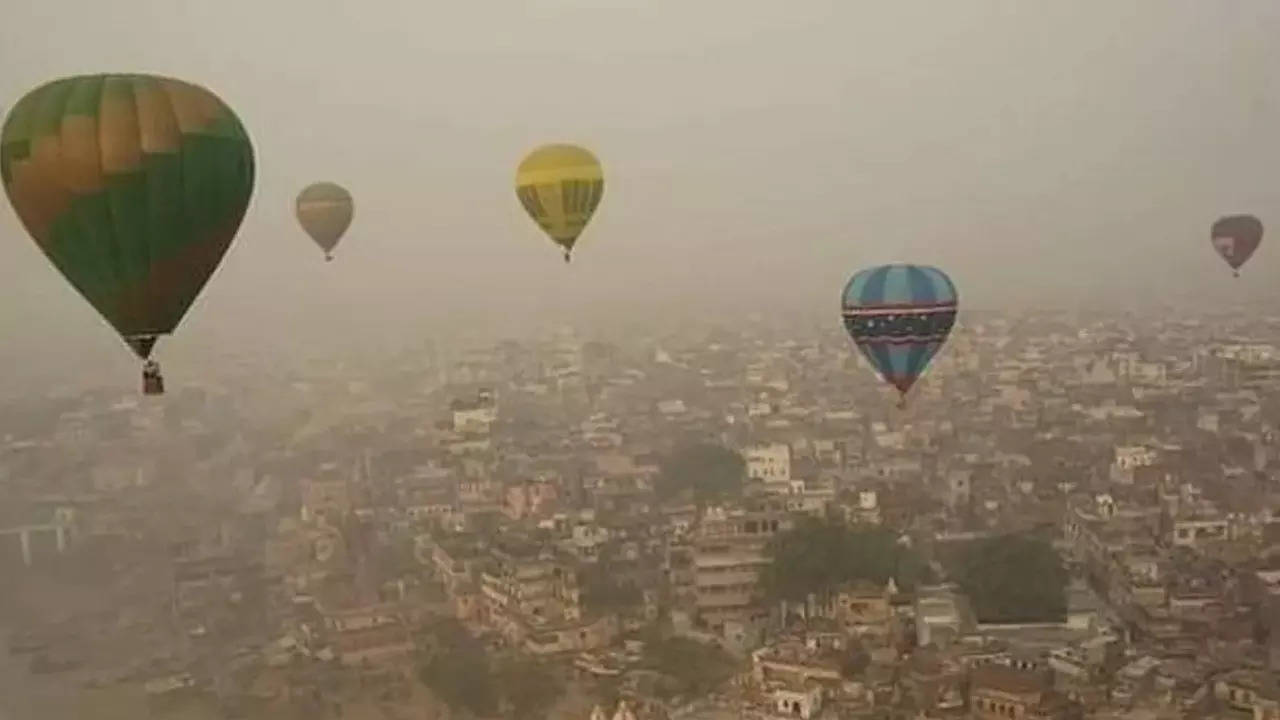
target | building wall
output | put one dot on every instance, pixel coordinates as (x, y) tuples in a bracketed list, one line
[(728, 559), (326, 500), (1191, 533), (476, 419), (990, 704), (770, 463)]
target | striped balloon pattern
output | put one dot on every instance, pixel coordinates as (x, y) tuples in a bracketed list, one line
[(133, 186), (560, 186), (899, 316)]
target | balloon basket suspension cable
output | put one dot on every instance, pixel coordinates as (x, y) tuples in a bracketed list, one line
[(142, 345), (152, 378)]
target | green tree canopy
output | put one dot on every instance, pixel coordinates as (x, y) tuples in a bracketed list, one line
[(1013, 578), (819, 556), (454, 665), (694, 668), (529, 689), (604, 592), (710, 472), (854, 661)]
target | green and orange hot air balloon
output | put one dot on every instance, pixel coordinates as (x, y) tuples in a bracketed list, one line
[(133, 186)]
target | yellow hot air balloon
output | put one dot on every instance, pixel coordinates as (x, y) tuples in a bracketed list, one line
[(324, 211), (560, 187)]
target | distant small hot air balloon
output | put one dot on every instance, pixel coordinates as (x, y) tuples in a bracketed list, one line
[(133, 186), (899, 316), (1236, 237), (324, 211), (560, 186)]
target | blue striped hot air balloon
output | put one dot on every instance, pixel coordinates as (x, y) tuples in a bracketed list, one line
[(899, 316)]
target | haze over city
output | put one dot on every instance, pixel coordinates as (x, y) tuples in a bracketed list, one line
[(757, 153), (901, 372)]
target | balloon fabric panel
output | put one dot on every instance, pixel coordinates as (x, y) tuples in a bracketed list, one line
[(560, 187), (1235, 238), (133, 186), (899, 316), (325, 211)]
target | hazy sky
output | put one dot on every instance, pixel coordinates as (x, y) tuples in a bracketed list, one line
[(755, 151)]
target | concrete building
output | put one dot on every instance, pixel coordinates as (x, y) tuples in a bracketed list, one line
[(770, 464), (729, 555)]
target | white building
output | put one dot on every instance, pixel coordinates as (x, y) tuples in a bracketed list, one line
[(475, 416), (770, 463), (1129, 458)]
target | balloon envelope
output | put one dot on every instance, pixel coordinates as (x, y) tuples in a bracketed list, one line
[(325, 210), (560, 186), (899, 316), (133, 186), (1235, 238)]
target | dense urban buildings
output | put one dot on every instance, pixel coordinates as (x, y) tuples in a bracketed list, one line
[(1074, 517)]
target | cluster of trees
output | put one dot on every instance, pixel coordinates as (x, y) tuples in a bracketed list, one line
[(691, 668), (604, 591), (710, 473), (1012, 579), (461, 673), (819, 556)]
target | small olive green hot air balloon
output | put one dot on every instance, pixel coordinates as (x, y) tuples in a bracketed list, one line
[(560, 186), (133, 186), (325, 210)]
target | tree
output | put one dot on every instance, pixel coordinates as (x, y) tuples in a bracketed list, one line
[(486, 524), (602, 591), (1013, 578), (693, 668), (529, 689), (454, 665), (854, 661), (710, 472), (817, 557), (606, 691)]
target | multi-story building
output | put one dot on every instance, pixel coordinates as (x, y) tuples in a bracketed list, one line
[(1197, 527), (524, 589), (367, 634), (1004, 693), (529, 498), (770, 464), (476, 415), (729, 556)]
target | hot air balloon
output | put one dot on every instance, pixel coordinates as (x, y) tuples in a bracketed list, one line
[(1235, 237), (133, 186), (899, 316), (560, 186), (325, 210)]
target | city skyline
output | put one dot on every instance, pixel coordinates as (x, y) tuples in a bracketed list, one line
[(1056, 155)]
